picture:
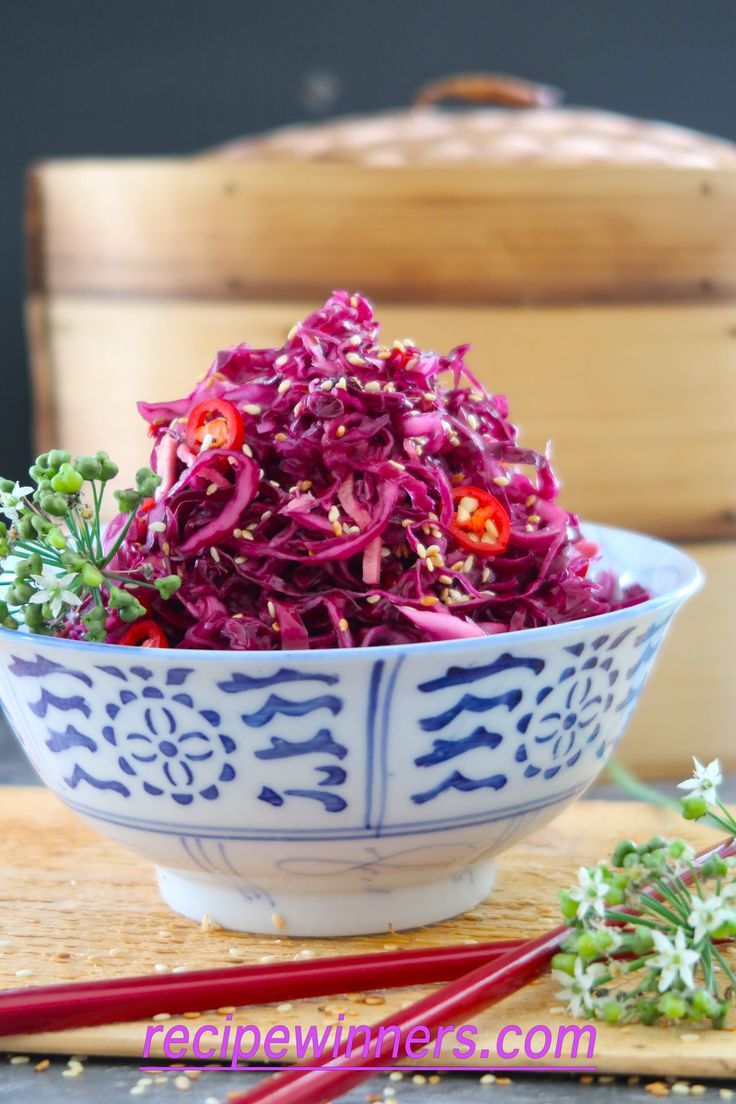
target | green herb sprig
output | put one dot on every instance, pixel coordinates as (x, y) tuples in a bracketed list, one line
[(52, 553), (668, 961)]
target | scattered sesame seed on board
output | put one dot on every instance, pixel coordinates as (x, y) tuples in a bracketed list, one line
[(42, 1065), (24, 973), (278, 921), (182, 1082), (657, 1088), (19, 1060)]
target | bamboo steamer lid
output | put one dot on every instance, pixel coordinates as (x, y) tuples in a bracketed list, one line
[(536, 132)]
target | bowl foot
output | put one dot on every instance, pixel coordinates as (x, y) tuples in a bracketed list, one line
[(238, 908)]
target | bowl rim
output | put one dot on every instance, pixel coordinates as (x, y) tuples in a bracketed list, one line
[(693, 580)]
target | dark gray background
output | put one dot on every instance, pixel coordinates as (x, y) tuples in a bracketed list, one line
[(169, 76)]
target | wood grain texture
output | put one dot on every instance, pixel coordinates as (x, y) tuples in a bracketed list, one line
[(73, 906), (688, 706), (640, 403), (208, 228)]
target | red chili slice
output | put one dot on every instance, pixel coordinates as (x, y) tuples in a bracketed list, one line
[(218, 419), (144, 634), (486, 528)]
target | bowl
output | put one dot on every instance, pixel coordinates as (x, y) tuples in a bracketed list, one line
[(339, 792)]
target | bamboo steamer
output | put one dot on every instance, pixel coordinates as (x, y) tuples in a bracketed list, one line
[(589, 258)]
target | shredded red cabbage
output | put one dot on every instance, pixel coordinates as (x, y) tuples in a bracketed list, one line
[(330, 528)]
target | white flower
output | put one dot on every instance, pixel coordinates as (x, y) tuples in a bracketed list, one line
[(674, 959), (9, 500), (52, 589), (704, 781), (576, 991), (590, 893), (707, 915)]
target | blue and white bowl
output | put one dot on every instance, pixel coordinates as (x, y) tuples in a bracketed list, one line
[(332, 793)]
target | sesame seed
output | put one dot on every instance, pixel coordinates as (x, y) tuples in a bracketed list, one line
[(161, 968), (284, 386), (397, 465), (210, 491), (42, 1065), (501, 480), (24, 973), (342, 625), (529, 528), (280, 437), (337, 528), (340, 431), (373, 598), (472, 421), (278, 921), (272, 613), (158, 526), (407, 522), (279, 362), (333, 514), (239, 560), (327, 385), (342, 384), (429, 600), (247, 535), (293, 332), (166, 548), (215, 554), (372, 385), (247, 450), (355, 359), (182, 1082), (530, 500), (534, 519), (305, 485), (252, 408), (266, 515), (19, 1060)]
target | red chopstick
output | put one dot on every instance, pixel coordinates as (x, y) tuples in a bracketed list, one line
[(452, 1004), (89, 1003)]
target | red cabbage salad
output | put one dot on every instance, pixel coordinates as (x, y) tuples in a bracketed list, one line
[(339, 492)]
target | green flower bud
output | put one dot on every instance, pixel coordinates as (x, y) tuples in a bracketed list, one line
[(641, 940), (57, 457), (654, 844), (621, 850), (715, 867), (615, 895), (94, 621), (654, 860), (108, 469), (10, 623), (167, 585), (30, 566), (42, 462), (704, 1003), (127, 604), (673, 1006), (88, 467), (92, 576), (56, 538), (6, 486), (24, 525), (568, 906), (67, 480), (128, 500), (612, 1011), (46, 610), (565, 963), (4, 611), (54, 504), (147, 481), (586, 947), (33, 617), (72, 561), (677, 849), (725, 931), (693, 808)]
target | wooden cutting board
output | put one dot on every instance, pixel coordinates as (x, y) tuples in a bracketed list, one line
[(73, 906)]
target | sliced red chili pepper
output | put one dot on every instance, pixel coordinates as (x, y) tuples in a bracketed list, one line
[(146, 505), (480, 522), (144, 634), (218, 419)]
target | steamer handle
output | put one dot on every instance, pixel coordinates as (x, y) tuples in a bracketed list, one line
[(488, 88)]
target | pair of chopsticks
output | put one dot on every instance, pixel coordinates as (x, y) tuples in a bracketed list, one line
[(90, 1003)]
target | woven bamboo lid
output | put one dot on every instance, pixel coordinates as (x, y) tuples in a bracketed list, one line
[(517, 122)]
